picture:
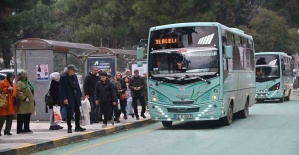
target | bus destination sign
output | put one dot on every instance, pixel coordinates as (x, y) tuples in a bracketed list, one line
[(165, 41)]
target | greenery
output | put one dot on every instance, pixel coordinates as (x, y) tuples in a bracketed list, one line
[(122, 23)]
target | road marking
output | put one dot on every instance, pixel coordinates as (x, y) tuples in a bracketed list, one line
[(109, 141)]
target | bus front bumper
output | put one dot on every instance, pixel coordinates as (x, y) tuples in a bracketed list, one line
[(211, 111), (268, 95)]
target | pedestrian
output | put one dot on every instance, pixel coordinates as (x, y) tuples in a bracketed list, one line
[(105, 96), (89, 85), (55, 94), (8, 88), (146, 92), (129, 107), (115, 108), (137, 86), (121, 86), (145, 88), (71, 96), (128, 73), (63, 108), (25, 107)]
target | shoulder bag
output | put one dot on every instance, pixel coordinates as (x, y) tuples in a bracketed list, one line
[(49, 99)]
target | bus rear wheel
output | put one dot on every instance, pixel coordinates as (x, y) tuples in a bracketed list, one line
[(245, 112), (283, 98), (167, 123), (228, 119)]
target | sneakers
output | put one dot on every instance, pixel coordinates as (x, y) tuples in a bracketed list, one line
[(137, 117), (125, 117), (104, 125), (79, 129), (143, 116)]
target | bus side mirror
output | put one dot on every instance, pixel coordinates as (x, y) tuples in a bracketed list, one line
[(228, 51), (140, 57)]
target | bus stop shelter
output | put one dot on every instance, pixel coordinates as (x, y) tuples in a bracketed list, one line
[(41, 57)]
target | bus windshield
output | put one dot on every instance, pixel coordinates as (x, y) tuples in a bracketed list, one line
[(184, 51), (184, 61), (267, 67)]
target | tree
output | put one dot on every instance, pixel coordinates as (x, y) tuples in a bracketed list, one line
[(270, 31), (293, 40), (30, 18), (155, 12)]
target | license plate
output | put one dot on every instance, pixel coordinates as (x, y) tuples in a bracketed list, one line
[(261, 96), (186, 116)]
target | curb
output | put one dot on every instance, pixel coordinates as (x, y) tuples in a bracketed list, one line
[(31, 148)]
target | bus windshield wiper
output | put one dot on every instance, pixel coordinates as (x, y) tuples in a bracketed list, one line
[(199, 77)]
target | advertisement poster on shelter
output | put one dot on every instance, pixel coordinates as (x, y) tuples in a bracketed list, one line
[(104, 64), (141, 70), (42, 72)]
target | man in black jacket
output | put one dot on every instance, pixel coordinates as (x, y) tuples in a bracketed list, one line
[(137, 86), (105, 95), (89, 86), (71, 96)]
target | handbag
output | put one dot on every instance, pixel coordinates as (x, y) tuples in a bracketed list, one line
[(3, 101), (123, 96), (49, 99)]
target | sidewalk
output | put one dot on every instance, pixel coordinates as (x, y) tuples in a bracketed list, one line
[(42, 138)]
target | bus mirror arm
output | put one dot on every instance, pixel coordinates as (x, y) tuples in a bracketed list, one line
[(158, 83)]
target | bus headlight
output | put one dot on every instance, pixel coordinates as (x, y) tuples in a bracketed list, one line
[(214, 97), (154, 99)]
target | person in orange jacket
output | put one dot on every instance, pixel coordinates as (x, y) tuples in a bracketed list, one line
[(6, 114)]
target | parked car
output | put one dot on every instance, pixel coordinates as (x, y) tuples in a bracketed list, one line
[(5, 71)]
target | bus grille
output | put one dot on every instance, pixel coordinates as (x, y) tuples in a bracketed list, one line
[(205, 97), (182, 110), (163, 98), (183, 102)]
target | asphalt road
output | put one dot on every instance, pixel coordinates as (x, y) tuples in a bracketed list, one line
[(271, 129)]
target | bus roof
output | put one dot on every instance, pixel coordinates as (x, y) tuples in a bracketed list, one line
[(272, 53), (233, 30)]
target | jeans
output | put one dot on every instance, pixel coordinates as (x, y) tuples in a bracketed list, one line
[(23, 120), (95, 112), (129, 106), (76, 109), (8, 120), (64, 113), (135, 105)]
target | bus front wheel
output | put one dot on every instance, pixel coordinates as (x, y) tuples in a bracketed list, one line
[(167, 123), (228, 119)]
